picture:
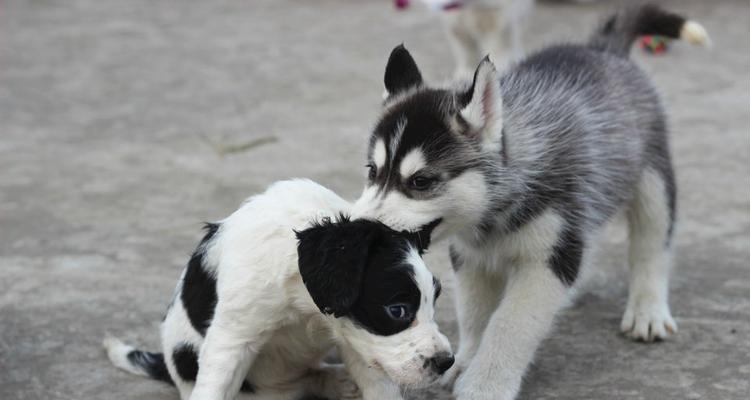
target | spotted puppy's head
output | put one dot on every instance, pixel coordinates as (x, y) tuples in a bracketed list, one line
[(373, 281), (433, 154)]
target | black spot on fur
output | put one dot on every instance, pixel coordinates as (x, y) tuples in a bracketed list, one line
[(567, 254), (152, 363), (247, 387), (186, 362), (199, 287)]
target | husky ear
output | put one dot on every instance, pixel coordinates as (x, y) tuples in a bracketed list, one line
[(332, 257), (483, 103), (401, 72)]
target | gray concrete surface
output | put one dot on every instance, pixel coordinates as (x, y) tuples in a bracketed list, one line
[(124, 124)]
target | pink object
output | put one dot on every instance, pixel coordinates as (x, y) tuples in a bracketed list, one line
[(439, 5), (453, 5)]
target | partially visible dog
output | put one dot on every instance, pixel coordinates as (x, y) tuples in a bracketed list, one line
[(257, 308), (476, 28), (522, 171)]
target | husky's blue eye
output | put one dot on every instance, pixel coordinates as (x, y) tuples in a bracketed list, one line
[(399, 312), (421, 182)]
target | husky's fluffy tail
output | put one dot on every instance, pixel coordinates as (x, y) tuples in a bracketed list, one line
[(620, 30), (136, 361)]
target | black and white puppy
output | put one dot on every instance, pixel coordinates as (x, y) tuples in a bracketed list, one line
[(258, 306), (523, 169)]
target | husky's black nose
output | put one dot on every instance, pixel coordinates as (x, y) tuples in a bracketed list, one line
[(442, 362)]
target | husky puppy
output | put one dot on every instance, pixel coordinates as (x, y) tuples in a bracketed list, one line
[(521, 171), (257, 308)]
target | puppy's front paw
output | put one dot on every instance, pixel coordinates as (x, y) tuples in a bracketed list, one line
[(647, 320), (477, 385)]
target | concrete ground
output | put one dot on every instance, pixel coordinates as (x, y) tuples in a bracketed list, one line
[(124, 125)]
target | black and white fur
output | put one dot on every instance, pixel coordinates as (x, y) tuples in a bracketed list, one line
[(259, 306), (522, 171)]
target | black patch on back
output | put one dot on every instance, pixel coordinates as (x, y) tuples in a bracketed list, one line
[(152, 363), (567, 253), (186, 362), (198, 293)]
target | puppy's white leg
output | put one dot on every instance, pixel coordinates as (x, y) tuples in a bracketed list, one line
[(647, 316), (477, 297), (373, 382), (533, 296), (229, 349), (463, 42)]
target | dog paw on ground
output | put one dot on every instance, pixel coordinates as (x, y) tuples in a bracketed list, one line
[(648, 321)]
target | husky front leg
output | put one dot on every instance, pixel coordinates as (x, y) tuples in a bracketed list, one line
[(477, 297), (546, 255), (532, 298)]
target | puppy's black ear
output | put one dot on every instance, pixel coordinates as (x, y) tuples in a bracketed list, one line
[(332, 258), (401, 73)]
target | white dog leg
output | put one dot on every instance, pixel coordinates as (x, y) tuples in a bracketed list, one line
[(647, 316), (225, 357), (532, 298), (463, 42), (477, 297)]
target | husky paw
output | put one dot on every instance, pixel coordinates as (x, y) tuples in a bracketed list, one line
[(470, 386), (648, 321)]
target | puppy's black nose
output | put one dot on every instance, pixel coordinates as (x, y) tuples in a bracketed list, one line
[(442, 362)]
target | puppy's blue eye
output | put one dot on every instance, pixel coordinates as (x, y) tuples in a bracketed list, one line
[(399, 312)]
